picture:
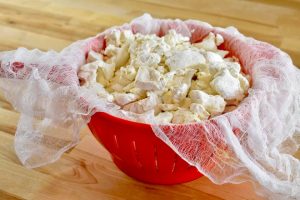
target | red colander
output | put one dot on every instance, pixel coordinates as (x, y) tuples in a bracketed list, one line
[(136, 151)]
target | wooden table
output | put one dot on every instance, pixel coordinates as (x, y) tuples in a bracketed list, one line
[(87, 172)]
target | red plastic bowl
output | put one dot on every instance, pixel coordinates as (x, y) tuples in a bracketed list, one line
[(139, 153)]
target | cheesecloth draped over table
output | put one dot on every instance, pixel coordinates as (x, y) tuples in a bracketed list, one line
[(255, 142)]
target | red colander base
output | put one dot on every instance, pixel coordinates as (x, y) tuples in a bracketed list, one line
[(139, 153)]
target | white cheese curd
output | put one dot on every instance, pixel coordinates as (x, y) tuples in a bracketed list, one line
[(106, 68), (183, 116), (199, 110), (212, 57), (151, 102), (88, 74), (173, 39), (125, 98), (227, 85), (208, 43), (164, 117), (180, 84), (214, 104), (178, 81), (94, 56), (184, 59), (149, 79), (168, 107)]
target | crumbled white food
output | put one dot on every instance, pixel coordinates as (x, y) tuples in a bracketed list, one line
[(125, 98), (227, 86), (149, 103), (199, 110), (184, 59), (106, 68), (94, 56), (202, 82), (126, 36), (149, 79), (244, 82), (88, 74), (183, 116), (174, 39), (167, 98), (164, 117), (234, 68), (219, 39), (113, 38), (119, 56), (186, 103), (212, 57), (214, 104), (146, 59), (178, 81), (178, 86), (179, 93), (209, 43), (168, 107)]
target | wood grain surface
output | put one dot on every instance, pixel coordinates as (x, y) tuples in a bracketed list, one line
[(86, 171)]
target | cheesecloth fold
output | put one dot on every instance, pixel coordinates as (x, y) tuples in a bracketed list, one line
[(255, 142)]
